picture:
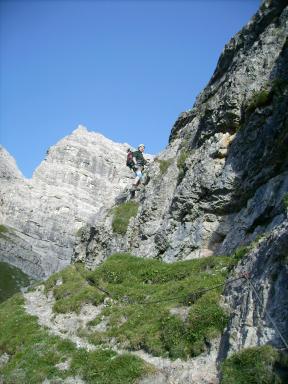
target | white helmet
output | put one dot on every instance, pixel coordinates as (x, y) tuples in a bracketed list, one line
[(141, 145)]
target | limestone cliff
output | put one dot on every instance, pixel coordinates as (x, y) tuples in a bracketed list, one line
[(80, 175), (222, 183), (227, 173)]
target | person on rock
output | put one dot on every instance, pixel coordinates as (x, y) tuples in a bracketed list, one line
[(139, 163)]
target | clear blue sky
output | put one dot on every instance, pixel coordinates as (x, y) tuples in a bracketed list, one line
[(122, 68)]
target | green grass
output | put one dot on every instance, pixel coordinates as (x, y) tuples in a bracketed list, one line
[(241, 252), (75, 290), (143, 292), (181, 164), (12, 280), (3, 229), (164, 165), (121, 216), (258, 99), (285, 201), (34, 353), (258, 365)]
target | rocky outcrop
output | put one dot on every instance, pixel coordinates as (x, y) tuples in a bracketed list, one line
[(227, 158), (79, 177), (259, 303), (222, 183)]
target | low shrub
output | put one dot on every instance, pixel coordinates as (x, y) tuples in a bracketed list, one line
[(34, 354)]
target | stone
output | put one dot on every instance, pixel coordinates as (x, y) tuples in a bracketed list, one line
[(81, 175)]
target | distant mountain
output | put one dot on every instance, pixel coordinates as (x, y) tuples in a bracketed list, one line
[(80, 175)]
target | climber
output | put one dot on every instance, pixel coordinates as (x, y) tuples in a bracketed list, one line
[(139, 162)]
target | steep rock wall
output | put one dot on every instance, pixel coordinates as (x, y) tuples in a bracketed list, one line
[(221, 184), (228, 175)]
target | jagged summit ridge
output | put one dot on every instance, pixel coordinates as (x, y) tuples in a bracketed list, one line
[(8, 166), (80, 175)]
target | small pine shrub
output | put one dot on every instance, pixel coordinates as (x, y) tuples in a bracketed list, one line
[(122, 216)]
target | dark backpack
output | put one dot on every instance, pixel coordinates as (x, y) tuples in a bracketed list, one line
[(129, 160)]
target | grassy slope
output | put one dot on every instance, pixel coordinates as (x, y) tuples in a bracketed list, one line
[(143, 292), (12, 280), (34, 353)]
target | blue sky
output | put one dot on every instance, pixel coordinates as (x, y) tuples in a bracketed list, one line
[(125, 69)]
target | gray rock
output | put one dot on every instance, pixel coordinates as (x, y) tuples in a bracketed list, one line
[(81, 175), (4, 358), (234, 177), (259, 305)]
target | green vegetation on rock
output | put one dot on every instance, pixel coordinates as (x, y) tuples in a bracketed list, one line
[(241, 252), (285, 201), (181, 164), (258, 99), (258, 365), (12, 279), (164, 165), (146, 299), (3, 229), (121, 216), (34, 354), (74, 290)]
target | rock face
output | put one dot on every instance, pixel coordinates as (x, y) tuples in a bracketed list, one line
[(81, 175), (260, 303), (229, 167), (222, 183)]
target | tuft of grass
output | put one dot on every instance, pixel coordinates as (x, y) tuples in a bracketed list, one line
[(241, 252), (34, 354), (257, 100), (74, 290), (3, 229), (285, 201), (106, 367), (257, 365), (181, 164), (164, 165), (142, 292), (122, 215)]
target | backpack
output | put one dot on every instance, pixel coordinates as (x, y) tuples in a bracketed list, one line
[(129, 160)]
